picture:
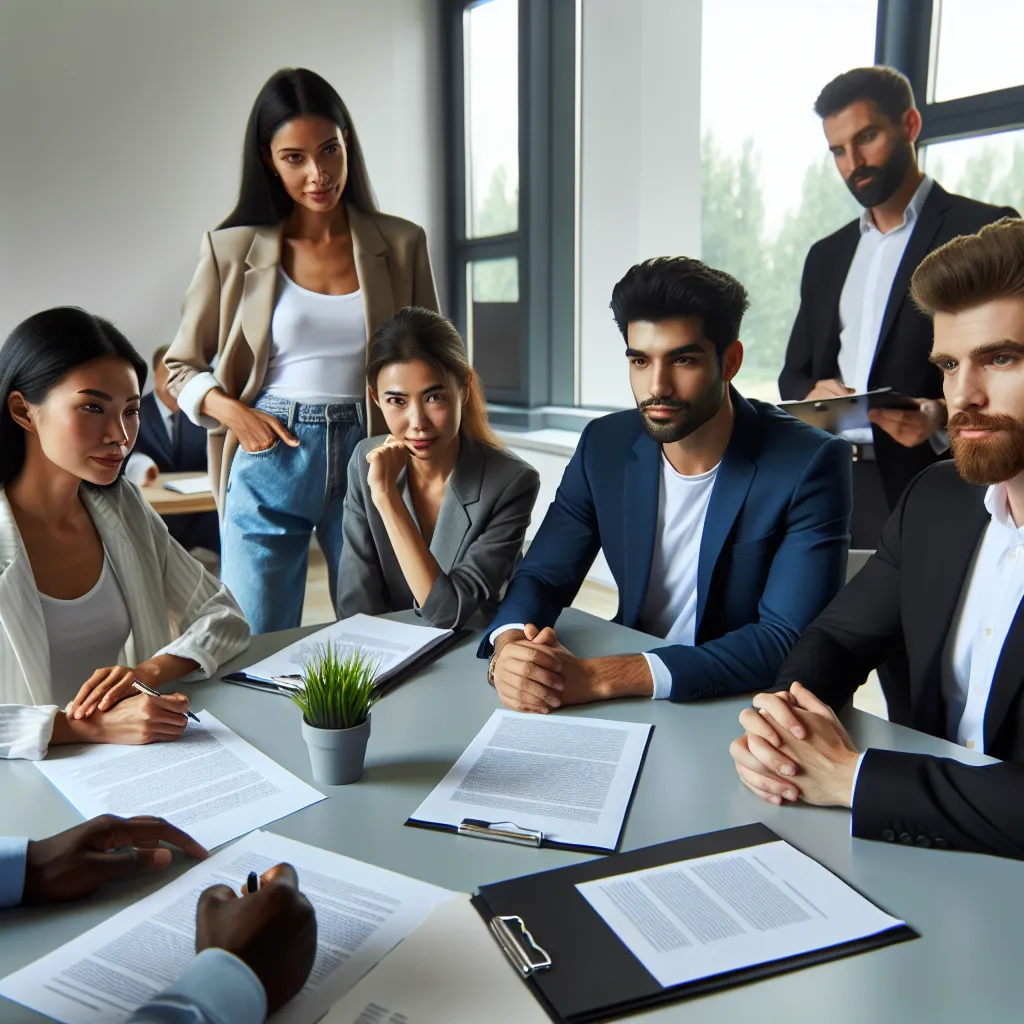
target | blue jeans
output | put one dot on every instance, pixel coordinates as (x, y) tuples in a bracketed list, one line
[(276, 498)]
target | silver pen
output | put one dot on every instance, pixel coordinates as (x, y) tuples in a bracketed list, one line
[(150, 692)]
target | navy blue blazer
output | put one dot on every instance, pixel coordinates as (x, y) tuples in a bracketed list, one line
[(772, 556), (189, 456)]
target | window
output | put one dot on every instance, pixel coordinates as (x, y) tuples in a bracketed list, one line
[(987, 167), (769, 187), (977, 47)]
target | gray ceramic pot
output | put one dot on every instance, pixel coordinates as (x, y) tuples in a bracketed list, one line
[(336, 755)]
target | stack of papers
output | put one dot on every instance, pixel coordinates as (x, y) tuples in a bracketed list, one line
[(189, 485), (210, 782), (104, 975), (393, 645)]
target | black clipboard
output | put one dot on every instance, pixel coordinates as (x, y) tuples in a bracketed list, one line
[(524, 836), (592, 976), (382, 687), (846, 412)]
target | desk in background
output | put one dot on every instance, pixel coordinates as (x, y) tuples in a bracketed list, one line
[(967, 907), (171, 503)]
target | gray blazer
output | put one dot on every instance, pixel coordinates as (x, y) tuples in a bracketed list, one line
[(477, 541)]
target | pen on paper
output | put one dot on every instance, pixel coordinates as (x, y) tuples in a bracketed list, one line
[(252, 883), (150, 692)]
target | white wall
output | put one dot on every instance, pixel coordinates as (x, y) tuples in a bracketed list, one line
[(121, 128), (640, 163)]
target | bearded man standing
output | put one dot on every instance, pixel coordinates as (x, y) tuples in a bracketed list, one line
[(857, 328), (945, 586), (724, 521)]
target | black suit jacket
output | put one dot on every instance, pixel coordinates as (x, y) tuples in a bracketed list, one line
[(188, 456), (903, 602), (905, 339)]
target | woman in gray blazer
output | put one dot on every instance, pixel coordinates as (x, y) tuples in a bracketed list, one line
[(436, 511)]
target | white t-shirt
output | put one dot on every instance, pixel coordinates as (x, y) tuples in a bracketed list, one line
[(84, 634), (317, 345), (670, 606)]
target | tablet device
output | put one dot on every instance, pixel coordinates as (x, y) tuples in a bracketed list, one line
[(847, 412)]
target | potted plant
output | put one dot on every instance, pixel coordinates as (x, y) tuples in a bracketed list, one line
[(336, 696)]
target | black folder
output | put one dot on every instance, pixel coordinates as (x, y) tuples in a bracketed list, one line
[(384, 685), (593, 976)]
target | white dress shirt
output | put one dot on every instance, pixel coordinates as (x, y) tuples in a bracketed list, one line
[(139, 463), (992, 592), (865, 295), (670, 605)]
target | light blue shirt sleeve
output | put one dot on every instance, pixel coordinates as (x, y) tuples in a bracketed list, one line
[(12, 870), (661, 676), (217, 989)]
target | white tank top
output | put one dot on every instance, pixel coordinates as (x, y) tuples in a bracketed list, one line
[(317, 345), (84, 634)]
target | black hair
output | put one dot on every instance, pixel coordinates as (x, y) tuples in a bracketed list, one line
[(890, 90), (419, 333), (286, 95), (676, 286), (39, 353)]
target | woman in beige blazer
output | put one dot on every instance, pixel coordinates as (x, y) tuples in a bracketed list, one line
[(271, 353)]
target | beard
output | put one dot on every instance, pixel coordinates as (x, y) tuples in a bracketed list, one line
[(882, 181), (989, 460), (692, 415)]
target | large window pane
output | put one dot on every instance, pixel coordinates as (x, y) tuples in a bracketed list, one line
[(495, 322), (491, 40), (977, 47), (769, 186), (989, 168)]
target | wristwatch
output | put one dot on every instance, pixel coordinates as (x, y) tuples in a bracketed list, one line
[(490, 667)]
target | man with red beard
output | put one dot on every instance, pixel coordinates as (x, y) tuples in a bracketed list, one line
[(944, 588)]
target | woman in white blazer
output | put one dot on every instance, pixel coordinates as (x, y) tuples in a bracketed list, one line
[(94, 593)]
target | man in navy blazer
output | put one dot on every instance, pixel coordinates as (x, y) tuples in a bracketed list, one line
[(169, 442), (725, 522)]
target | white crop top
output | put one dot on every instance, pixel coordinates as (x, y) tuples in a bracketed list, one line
[(84, 634), (317, 345)]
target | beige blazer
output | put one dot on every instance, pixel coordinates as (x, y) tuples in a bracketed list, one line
[(174, 605), (227, 310)]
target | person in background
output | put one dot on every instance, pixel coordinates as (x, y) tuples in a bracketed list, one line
[(170, 442), (724, 521), (254, 953), (944, 586), (436, 511), (94, 593), (856, 328), (287, 293)]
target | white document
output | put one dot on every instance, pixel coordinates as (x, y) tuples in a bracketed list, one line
[(210, 782), (449, 970), (104, 975), (697, 918), (190, 485), (570, 778), (391, 644)]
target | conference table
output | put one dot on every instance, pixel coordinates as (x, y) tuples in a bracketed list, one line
[(172, 503), (967, 908)]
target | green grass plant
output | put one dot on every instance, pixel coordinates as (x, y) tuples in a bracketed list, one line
[(337, 691)]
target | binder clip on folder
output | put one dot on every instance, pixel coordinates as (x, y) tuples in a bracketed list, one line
[(500, 831), (523, 953)]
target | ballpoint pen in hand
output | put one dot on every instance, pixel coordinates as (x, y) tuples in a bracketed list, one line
[(150, 692), (252, 883)]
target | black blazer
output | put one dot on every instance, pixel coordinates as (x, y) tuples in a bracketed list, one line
[(189, 456), (902, 604), (905, 339)]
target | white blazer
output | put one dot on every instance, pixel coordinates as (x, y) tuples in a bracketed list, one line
[(174, 605)]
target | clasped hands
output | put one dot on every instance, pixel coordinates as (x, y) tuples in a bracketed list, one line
[(795, 748), (534, 672), (910, 427)]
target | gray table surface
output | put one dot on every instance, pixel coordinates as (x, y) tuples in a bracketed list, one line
[(967, 908)]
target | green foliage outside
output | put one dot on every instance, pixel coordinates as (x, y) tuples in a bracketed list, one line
[(497, 280), (337, 691), (734, 238)]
